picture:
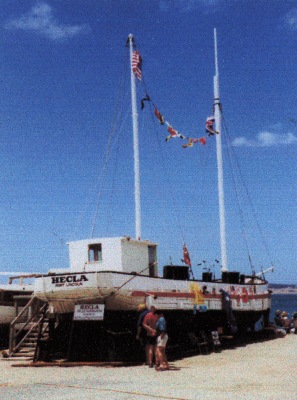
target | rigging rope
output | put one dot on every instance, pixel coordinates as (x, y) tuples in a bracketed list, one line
[(230, 149), (154, 124), (173, 201), (243, 228), (117, 117)]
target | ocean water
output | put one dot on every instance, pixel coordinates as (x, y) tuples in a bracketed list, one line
[(283, 302)]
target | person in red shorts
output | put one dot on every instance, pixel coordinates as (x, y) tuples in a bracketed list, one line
[(149, 324)]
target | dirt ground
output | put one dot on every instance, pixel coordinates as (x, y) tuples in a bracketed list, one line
[(263, 370)]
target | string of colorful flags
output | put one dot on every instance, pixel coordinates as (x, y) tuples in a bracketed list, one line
[(173, 133)]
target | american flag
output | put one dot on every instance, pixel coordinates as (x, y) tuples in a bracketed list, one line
[(136, 64)]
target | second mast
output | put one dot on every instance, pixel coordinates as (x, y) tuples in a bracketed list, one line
[(135, 145)]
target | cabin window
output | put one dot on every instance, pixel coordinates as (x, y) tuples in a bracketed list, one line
[(95, 252)]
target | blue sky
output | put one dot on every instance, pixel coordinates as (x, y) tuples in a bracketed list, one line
[(62, 64)]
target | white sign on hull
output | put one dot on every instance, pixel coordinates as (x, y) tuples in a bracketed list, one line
[(89, 312)]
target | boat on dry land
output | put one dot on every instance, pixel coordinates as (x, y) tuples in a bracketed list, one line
[(95, 301)]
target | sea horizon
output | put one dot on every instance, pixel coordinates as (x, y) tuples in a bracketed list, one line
[(283, 302)]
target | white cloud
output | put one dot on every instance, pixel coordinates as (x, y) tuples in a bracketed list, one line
[(266, 139), (41, 20), (291, 19)]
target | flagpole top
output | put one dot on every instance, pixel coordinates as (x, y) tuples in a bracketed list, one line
[(130, 40)]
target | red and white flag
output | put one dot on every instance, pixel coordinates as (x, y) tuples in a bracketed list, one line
[(209, 125), (136, 64), (187, 259), (173, 133)]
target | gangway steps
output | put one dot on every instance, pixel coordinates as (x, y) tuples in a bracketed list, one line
[(24, 335)]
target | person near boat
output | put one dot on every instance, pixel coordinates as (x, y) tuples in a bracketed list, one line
[(149, 324), (142, 311), (285, 321), (294, 322), (141, 333), (277, 318), (162, 338)]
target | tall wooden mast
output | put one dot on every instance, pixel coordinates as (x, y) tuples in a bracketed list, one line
[(217, 115), (135, 146)]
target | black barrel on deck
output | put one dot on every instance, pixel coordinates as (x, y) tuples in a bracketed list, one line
[(230, 277)]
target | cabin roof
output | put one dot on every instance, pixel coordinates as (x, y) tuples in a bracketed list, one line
[(117, 238)]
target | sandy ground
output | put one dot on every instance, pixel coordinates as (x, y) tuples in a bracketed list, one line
[(262, 370)]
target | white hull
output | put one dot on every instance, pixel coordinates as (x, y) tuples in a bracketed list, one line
[(120, 291)]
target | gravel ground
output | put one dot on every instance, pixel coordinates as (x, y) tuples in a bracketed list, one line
[(262, 370)]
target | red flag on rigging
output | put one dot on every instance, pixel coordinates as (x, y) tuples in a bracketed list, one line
[(209, 125), (136, 64), (173, 133), (159, 116), (187, 259)]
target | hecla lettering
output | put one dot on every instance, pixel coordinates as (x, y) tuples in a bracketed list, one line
[(69, 279)]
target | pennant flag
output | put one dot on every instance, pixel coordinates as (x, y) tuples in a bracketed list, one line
[(136, 64), (173, 134), (159, 116), (209, 126), (146, 98), (190, 143), (187, 260)]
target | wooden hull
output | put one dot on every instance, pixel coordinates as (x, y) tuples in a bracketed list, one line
[(123, 292), (189, 308)]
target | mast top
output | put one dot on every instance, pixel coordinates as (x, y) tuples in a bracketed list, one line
[(216, 53), (130, 41)]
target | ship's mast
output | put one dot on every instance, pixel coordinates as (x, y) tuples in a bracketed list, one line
[(135, 146), (217, 115)]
